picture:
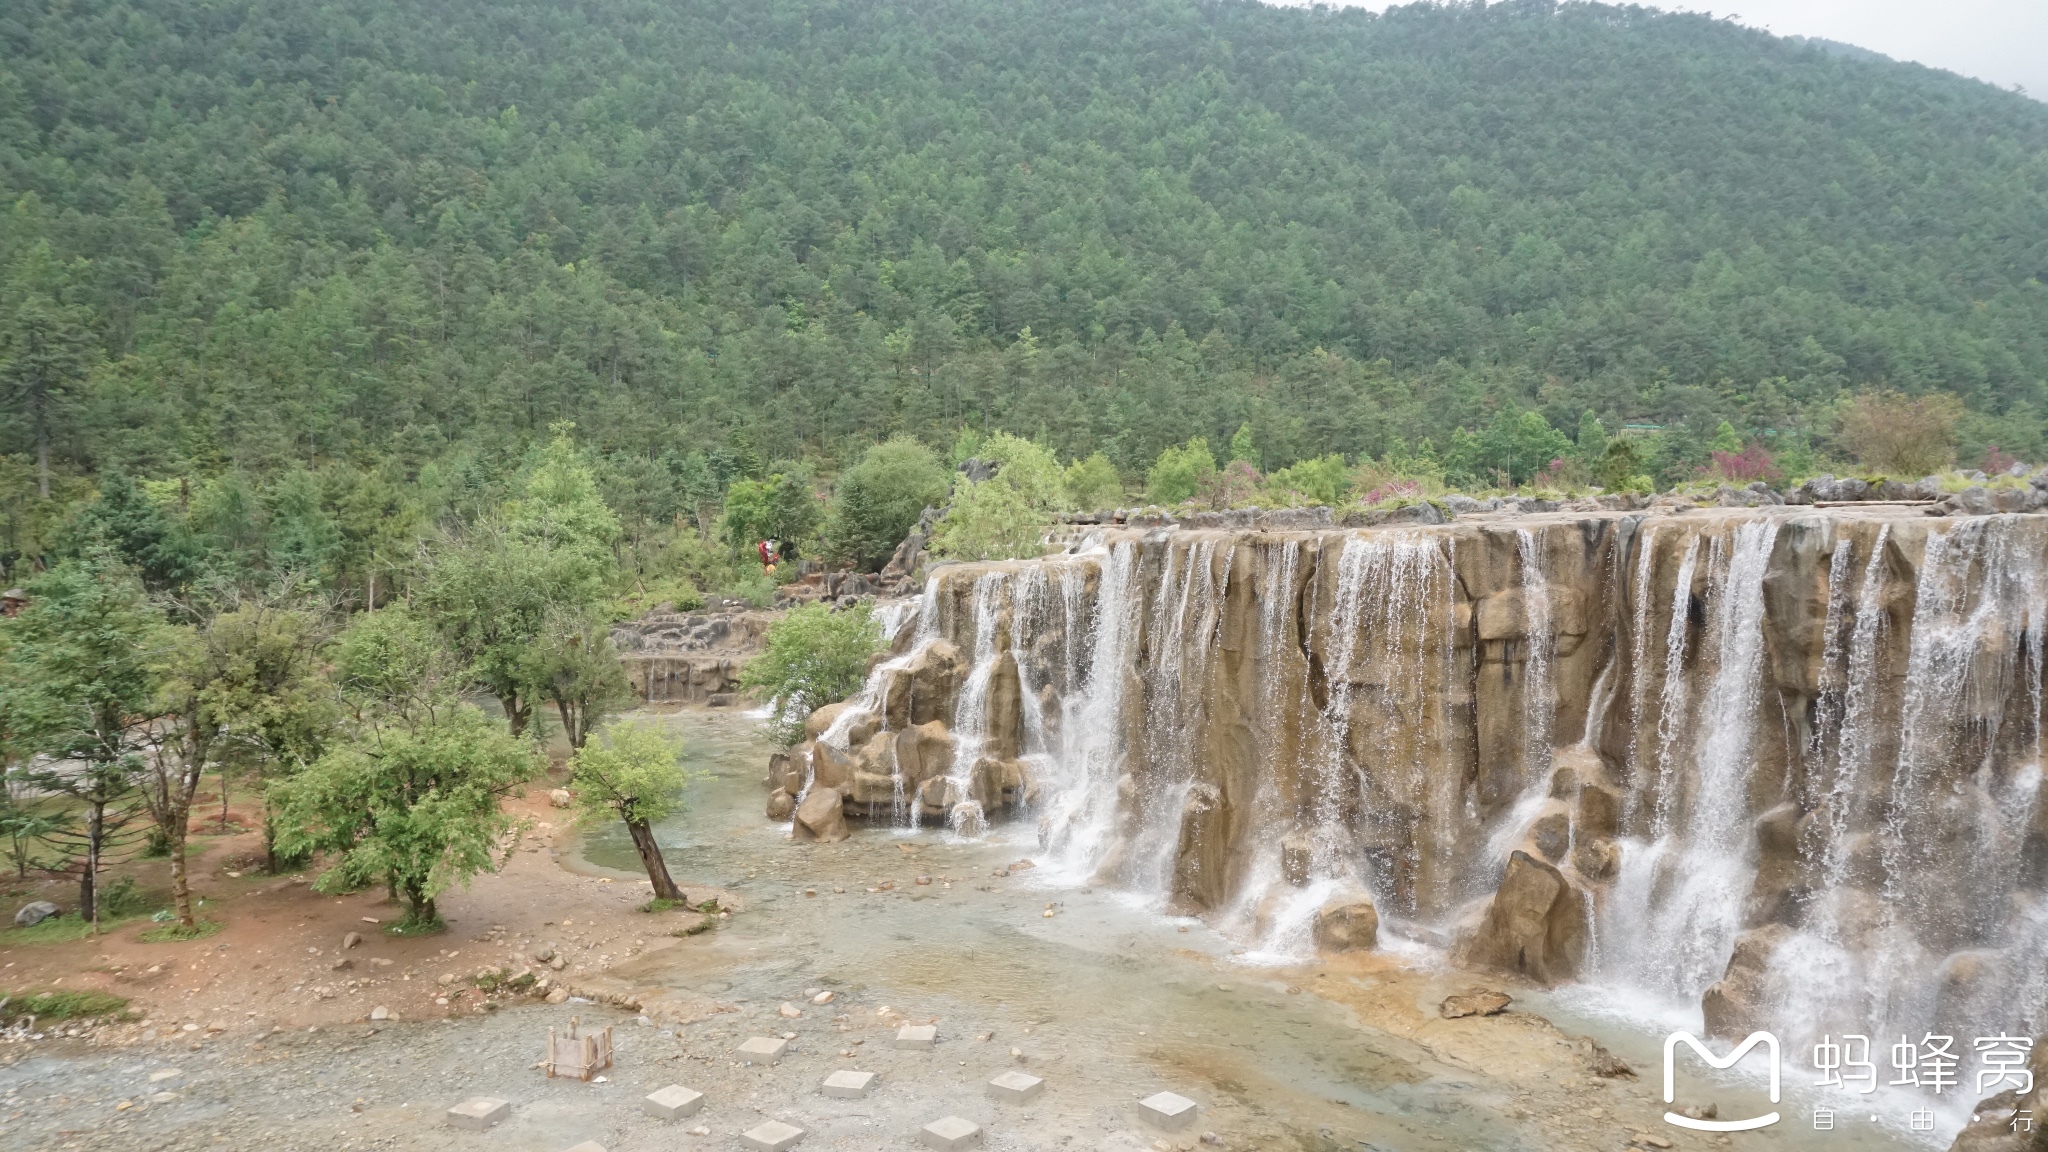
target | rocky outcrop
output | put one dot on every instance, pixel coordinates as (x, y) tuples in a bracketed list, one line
[(688, 658), (1535, 926), (1347, 923), (1608, 735), (821, 817)]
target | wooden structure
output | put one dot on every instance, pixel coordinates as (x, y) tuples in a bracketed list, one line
[(578, 1056)]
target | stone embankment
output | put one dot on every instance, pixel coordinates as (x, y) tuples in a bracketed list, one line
[(689, 658)]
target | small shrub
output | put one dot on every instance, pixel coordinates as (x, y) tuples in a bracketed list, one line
[(703, 925), (61, 1005), (1093, 483), (1900, 435), (409, 928), (1178, 473), (814, 656)]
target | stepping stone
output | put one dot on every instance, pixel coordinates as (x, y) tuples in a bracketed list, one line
[(950, 1133), (1167, 1110), (1015, 1087), (846, 1084), (478, 1113), (774, 1136), (672, 1103), (763, 1049), (588, 1146), (917, 1037)]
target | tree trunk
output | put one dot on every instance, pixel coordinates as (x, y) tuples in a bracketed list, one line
[(572, 723), (650, 859), (515, 714), (181, 887), (42, 447), (88, 883)]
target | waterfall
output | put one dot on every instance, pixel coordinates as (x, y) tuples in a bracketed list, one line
[(1539, 699), (1678, 901), (1254, 724)]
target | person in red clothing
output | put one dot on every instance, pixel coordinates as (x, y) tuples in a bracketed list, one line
[(771, 555)]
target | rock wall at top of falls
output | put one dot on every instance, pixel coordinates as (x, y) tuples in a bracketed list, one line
[(1781, 763)]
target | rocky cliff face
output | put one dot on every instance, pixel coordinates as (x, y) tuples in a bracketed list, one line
[(689, 658), (1781, 762)]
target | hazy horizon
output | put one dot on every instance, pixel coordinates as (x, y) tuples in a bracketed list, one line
[(2001, 42)]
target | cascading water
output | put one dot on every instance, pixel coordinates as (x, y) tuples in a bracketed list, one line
[(1257, 724)]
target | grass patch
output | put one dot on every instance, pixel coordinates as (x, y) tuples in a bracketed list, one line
[(406, 929), (660, 905), (62, 1005), (174, 932), (704, 924), (60, 930)]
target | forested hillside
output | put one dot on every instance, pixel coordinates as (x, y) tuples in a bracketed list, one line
[(246, 234)]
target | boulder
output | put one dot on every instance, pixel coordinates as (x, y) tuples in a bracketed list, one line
[(786, 768), (1552, 835), (1474, 1002), (821, 720), (924, 751), (1737, 1004), (35, 912), (1596, 859), (1534, 927), (560, 798), (872, 789), (1347, 922), (924, 689), (938, 795), (830, 767), (821, 817), (780, 805)]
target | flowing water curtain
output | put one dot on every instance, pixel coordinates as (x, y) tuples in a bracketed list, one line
[(1180, 633), (1676, 903), (1080, 826)]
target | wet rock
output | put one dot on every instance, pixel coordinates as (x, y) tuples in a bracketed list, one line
[(821, 817), (1476, 1002), (817, 722), (1552, 836), (1297, 858), (1737, 1004), (1201, 866), (34, 912), (831, 768), (1535, 925), (560, 798), (780, 805), (1597, 859), (939, 795), (1600, 1062), (924, 751), (1347, 922)]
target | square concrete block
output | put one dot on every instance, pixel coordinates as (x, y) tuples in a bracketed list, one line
[(763, 1049), (774, 1136), (478, 1113), (846, 1084), (918, 1037), (1167, 1110), (951, 1133), (1015, 1087), (672, 1103), (588, 1146)]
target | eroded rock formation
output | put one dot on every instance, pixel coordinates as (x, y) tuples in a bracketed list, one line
[(1785, 759), (693, 658)]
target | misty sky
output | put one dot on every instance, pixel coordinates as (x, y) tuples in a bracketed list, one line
[(2004, 42)]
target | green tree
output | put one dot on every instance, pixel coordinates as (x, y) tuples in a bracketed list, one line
[(409, 800), (1898, 435), (1515, 446), (781, 507), (1243, 446), (1592, 439), (1621, 467), (46, 346), (814, 656), (561, 508), (878, 501), (576, 668), (1323, 480), (83, 672), (1093, 483), (634, 772), (1726, 439), (491, 594), (1178, 473)]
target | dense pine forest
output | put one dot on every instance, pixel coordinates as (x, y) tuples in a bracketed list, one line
[(262, 257)]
